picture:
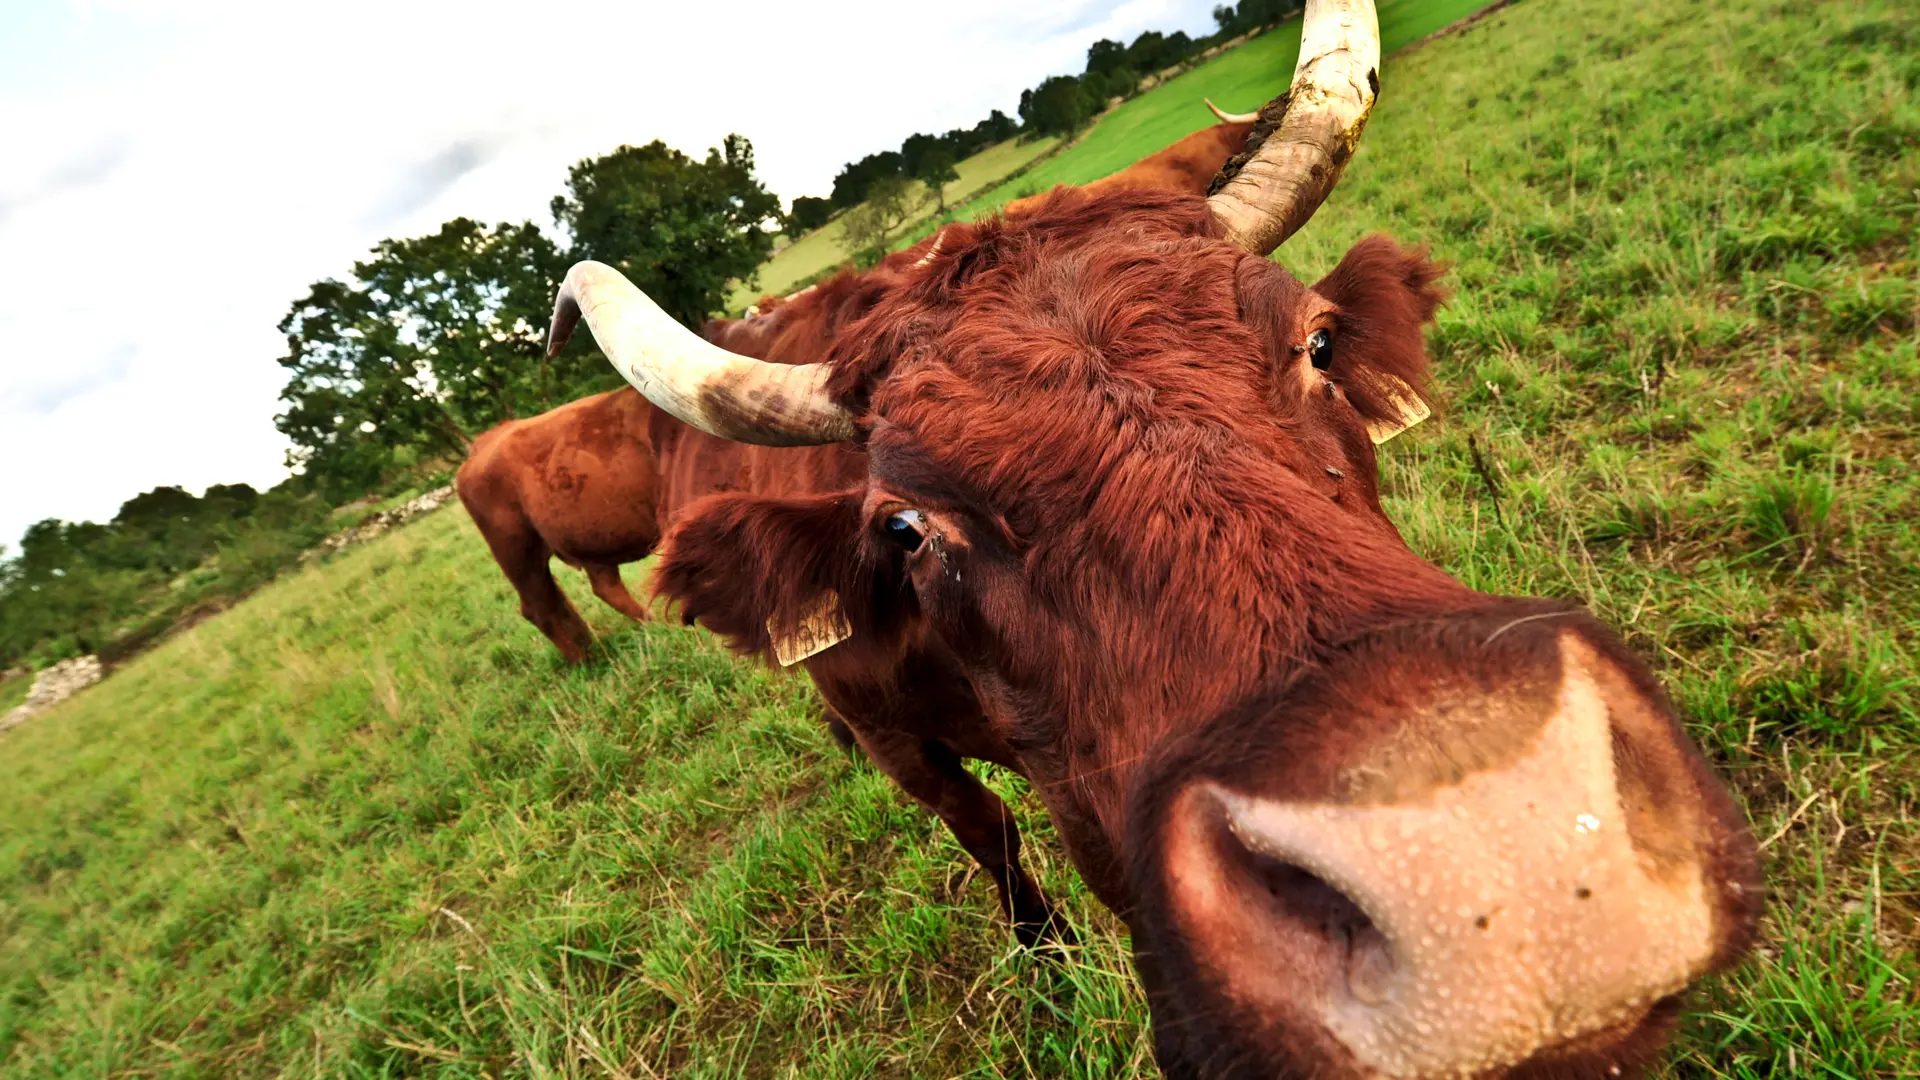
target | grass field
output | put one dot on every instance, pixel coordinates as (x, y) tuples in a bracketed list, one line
[(365, 825), (820, 249), (14, 691), (1239, 80)]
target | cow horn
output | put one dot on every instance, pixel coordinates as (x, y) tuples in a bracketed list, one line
[(1232, 117), (721, 393), (1320, 118), (933, 252)]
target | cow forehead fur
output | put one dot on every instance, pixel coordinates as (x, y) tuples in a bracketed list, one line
[(1117, 390), (1105, 375)]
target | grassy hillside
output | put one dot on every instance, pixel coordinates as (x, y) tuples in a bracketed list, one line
[(821, 248), (1239, 80), (365, 824), (14, 691)]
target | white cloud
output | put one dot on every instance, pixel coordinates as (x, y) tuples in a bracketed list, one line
[(178, 171)]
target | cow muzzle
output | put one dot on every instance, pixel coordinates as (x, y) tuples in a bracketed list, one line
[(1471, 879)]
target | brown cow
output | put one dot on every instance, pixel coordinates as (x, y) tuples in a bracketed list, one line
[(1188, 165), (1113, 522), (593, 481)]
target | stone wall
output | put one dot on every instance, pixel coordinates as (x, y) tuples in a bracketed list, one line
[(54, 685), (379, 523)]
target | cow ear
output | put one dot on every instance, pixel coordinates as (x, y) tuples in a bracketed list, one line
[(1386, 294), (781, 578)]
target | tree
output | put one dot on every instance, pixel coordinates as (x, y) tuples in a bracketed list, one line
[(936, 170), (1252, 14), (681, 229), (1148, 52), (851, 185), (869, 225), (1058, 106), (808, 214), (1105, 55), (431, 341), (915, 148), (997, 127), (1120, 82)]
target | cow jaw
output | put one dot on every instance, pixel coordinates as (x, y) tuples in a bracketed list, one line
[(1465, 930)]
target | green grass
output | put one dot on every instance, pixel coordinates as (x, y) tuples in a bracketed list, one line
[(821, 249), (14, 691), (365, 824), (1239, 80)]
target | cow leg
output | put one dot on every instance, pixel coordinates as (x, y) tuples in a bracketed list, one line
[(608, 586), (932, 773), (525, 558), (837, 727)]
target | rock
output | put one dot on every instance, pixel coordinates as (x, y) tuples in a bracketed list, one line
[(54, 685), (379, 523)]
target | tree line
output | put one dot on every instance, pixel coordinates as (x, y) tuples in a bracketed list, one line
[(1059, 105), (80, 587)]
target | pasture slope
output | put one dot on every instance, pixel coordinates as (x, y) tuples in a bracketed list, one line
[(1238, 80), (821, 248), (365, 825)]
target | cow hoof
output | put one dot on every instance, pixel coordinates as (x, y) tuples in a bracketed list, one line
[(1047, 934)]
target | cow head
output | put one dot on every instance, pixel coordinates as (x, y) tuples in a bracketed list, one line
[(1362, 820)]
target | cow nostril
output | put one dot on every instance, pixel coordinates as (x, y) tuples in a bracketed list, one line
[(1309, 903)]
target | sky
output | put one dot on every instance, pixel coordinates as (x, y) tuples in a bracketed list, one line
[(175, 173)]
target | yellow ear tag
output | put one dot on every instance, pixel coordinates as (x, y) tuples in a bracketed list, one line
[(1405, 402), (822, 626)]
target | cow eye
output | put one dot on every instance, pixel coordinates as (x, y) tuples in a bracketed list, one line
[(1320, 349), (906, 530)]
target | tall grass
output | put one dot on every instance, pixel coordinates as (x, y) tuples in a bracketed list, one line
[(366, 825)]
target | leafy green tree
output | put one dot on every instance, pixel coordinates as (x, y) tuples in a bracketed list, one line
[(680, 228), (997, 127), (1177, 47), (1058, 106), (851, 185), (81, 587), (1252, 14), (432, 340), (936, 169), (1105, 55), (808, 214), (870, 225)]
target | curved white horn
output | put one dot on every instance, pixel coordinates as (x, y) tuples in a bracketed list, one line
[(1319, 121), (721, 393), (939, 238), (1232, 117)]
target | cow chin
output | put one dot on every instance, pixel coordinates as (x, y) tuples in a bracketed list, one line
[(1479, 848)]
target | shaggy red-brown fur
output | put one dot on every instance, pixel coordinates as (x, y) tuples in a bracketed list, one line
[(1146, 523), (592, 482)]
